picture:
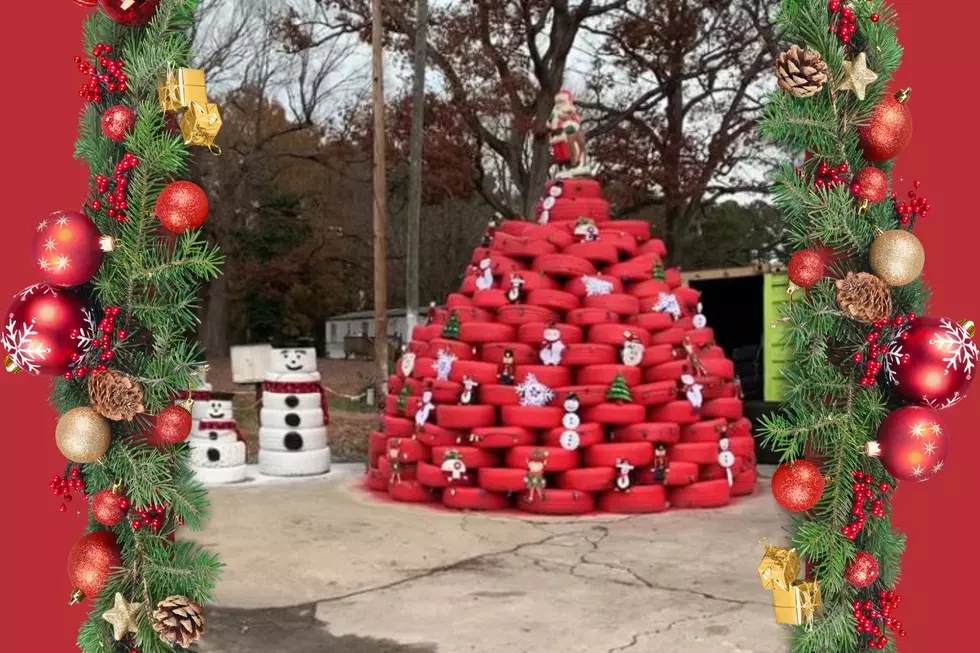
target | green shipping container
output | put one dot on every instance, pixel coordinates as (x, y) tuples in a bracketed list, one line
[(775, 356)]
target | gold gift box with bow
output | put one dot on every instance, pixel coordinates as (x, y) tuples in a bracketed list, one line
[(179, 87), (799, 604), (779, 568), (201, 124)]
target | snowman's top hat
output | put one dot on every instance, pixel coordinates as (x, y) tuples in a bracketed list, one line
[(222, 396), (293, 342)]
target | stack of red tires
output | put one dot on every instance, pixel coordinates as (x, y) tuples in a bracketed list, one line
[(497, 439)]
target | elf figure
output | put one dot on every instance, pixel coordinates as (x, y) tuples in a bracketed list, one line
[(660, 462), (506, 376), (552, 346), (567, 137), (692, 390), (726, 458), (632, 353), (394, 460), (587, 230), (468, 396), (623, 480), (485, 280), (534, 480), (454, 466), (425, 408), (515, 294)]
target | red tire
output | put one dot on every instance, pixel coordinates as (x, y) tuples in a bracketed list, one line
[(668, 337), (713, 351), (407, 472), (438, 316), (558, 502), (418, 347), (518, 314), (672, 371), (615, 414), (706, 494), (563, 265), (426, 332), (423, 369), (532, 281), (597, 252), (678, 474), (615, 334), (706, 431), (474, 498), (502, 479), (648, 432), (716, 471), (433, 476), (606, 455), (673, 277), (586, 317), (555, 300), (716, 389), (581, 355), (468, 314), (433, 435), (638, 499), (502, 437), (491, 299), (531, 417), (678, 411), (654, 246), (652, 322), (532, 334), (649, 289), (618, 303), (657, 355), (375, 481), (377, 440), (498, 395), (622, 241), (632, 271), (700, 337), (587, 479), (588, 395), (595, 208), (554, 234), (589, 434), (557, 459), (742, 446), (578, 288), (740, 428), (728, 408), (475, 333), (456, 300), (605, 374), (493, 352), (514, 227), (576, 188), (745, 483), (552, 376), (479, 254), (482, 373), (473, 457), (702, 453), (461, 350), (636, 228), (523, 247), (411, 492), (398, 427), (465, 417)]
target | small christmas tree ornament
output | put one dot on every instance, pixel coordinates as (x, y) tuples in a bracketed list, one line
[(798, 485), (801, 72), (124, 617), (889, 131), (68, 248), (130, 12), (117, 122), (619, 390), (864, 297), (798, 605), (857, 76), (47, 330), (805, 269), (173, 423), (911, 443), (779, 567), (870, 186), (658, 270), (932, 361), (82, 435), (115, 396), (200, 125), (897, 257), (109, 507), (403, 396), (178, 621), (90, 562), (182, 206), (179, 87), (451, 329), (862, 571)]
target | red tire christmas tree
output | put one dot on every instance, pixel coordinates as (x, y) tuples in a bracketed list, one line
[(571, 373)]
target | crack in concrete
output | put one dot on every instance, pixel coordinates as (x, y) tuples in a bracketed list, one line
[(636, 637)]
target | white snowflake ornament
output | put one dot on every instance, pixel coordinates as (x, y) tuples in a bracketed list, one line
[(633, 350), (667, 303), (534, 393), (596, 286), (443, 365)]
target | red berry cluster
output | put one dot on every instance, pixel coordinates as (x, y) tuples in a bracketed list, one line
[(866, 613), (828, 175), (846, 24), (917, 206), (117, 196), (152, 516), (864, 490), (62, 486), (875, 350), (103, 340), (111, 77)]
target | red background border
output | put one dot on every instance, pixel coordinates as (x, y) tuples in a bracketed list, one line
[(40, 117)]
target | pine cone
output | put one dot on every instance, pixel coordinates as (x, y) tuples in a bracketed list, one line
[(801, 72), (115, 396), (178, 620), (864, 297)]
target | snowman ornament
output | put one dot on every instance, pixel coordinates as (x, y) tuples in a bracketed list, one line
[(468, 396), (570, 421), (699, 321), (623, 481), (552, 346), (425, 408), (632, 353), (515, 294), (407, 364), (485, 280), (453, 466), (726, 458), (692, 390)]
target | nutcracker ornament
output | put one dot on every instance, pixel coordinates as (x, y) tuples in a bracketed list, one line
[(932, 361), (660, 462), (506, 376), (567, 138)]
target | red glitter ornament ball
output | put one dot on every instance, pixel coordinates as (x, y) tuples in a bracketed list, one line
[(890, 129), (46, 330), (90, 563), (107, 507), (118, 121), (67, 248), (932, 361), (863, 571), (870, 184), (797, 486), (911, 443), (173, 424), (182, 206), (129, 12), (805, 268)]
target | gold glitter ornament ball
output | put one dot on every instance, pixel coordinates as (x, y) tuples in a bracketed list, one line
[(82, 435), (897, 257)]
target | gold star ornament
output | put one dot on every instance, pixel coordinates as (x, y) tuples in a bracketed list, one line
[(857, 76), (122, 616)]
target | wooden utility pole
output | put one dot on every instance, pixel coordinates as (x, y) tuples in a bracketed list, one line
[(415, 170), (380, 192)]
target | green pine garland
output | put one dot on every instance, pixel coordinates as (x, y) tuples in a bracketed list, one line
[(155, 281), (827, 415)]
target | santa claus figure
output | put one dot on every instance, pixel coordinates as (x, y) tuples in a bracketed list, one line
[(552, 346), (633, 350), (567, 137)]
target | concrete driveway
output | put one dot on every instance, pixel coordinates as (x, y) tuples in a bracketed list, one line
[(318, 566)]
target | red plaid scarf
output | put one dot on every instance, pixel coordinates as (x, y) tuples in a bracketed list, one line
[(214, 425)]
